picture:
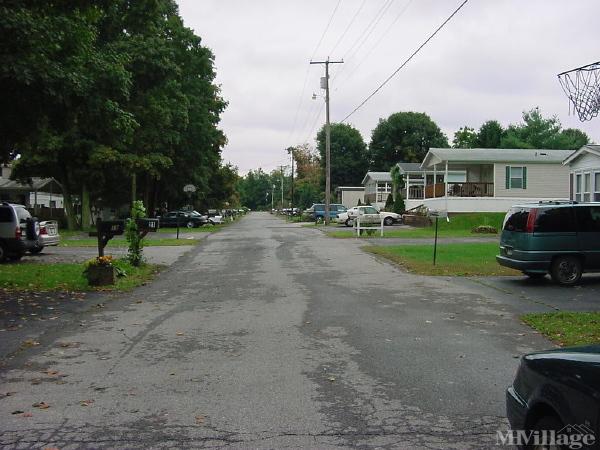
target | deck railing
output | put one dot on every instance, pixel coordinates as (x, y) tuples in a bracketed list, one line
[(460, 189)]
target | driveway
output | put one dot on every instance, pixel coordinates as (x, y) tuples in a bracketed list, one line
[(271, 335)]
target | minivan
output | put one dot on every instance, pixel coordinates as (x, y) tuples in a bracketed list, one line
[(562, 239), (317, 210)]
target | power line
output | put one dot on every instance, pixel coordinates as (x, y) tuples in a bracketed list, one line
[(406, 61), (386, 4), (387, 30), (343, 35), (301, 100)]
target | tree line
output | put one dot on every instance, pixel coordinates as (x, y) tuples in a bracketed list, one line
[(401, 137), (115, 99)]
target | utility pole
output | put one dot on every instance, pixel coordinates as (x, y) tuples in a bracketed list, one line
[(282, 167), (291, 152), (325, 85), (272, 197)]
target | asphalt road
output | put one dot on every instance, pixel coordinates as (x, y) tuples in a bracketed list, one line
[(269, 335)]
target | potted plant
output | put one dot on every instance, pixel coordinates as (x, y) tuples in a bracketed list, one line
[(100, 271)]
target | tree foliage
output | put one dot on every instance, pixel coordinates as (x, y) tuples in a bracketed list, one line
[(110, 97), (465, 137), (539, 132), (349, 158), (403, 137)]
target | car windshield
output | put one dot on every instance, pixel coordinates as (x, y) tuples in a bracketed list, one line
[(516, 219)]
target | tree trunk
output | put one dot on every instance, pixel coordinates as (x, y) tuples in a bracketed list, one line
[(133, 188), (69, 210), (85, 208)]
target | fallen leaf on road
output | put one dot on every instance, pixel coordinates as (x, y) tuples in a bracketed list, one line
[(86, 402), (17, 412), (50, 372), (139, 301), (199, 420), (27, 414), (179, 333), (41, 405), (428, 321), (30, 343), (332, 379)]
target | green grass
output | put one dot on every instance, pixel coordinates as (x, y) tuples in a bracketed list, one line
[(121, 242), (68, 276), (459, 226), (452, 259), (202, 229), (567, 328)]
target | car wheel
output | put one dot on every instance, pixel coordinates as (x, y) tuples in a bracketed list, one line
[(35, 250), (388, 221), (550, 423), (535, 275), (349, 222), (2, 253), (566, 270), (190, 224)]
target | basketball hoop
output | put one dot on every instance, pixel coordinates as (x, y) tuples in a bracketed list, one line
[(582, 86)]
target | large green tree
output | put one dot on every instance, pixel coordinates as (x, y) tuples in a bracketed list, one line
[(403, 136), (465, 137), (349, 158), (538, 132), (489, 134)]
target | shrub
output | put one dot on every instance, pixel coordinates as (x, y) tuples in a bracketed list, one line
[(484, 229), (134, 253)]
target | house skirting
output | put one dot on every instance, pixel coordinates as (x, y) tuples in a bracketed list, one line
[(472, 204)]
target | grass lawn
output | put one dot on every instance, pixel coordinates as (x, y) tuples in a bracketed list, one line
[(121, 242), (567, 328), (202, 229), (459, 226), (69, 277), (452, 259)]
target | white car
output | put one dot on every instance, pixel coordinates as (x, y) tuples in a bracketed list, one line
[(368, 214)]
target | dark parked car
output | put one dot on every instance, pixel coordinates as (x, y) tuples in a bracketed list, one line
[(317, 211), (558, 390), (188, 219), (560, 238)]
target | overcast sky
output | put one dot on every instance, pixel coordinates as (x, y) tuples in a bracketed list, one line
[(495, 59)]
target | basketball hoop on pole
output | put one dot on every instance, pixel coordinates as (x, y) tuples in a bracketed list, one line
[(582, 87)]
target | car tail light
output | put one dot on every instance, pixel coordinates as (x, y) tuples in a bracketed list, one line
[(18, 233), (531, 220), (43, 230)]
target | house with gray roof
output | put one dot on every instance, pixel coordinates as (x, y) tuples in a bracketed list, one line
[(38, 193), (378, 185), (584, 173), (495, 179)]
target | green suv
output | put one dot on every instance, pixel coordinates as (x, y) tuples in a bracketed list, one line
[(560, 238)]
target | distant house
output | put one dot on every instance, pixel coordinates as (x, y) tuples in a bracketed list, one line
[(378, 185), (495, 179), (39, 193), (350, 195), (584, 174)]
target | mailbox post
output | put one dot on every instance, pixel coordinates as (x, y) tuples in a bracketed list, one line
[(105, 231)]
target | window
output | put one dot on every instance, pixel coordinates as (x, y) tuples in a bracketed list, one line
[(555, 220), (587, 186), (516, 177), (6, 214), (588, 218), (578, 187), (597, 187), (516, 219), (52, 203)]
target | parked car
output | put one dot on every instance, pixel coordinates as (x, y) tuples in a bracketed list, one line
[(48, 236), (19, 232), (560, 238), (183, 219), (214, 217), (557, 390), (389, 218), (317, 211)]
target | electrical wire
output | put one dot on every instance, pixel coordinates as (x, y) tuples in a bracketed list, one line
[(343, 35), (386, 81)]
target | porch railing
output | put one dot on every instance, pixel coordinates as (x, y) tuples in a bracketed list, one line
[(461, 189)]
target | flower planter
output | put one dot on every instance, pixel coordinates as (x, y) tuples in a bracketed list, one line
[(100, 275)]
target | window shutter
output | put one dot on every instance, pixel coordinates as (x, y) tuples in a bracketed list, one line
[(507, 177), (524, 177)]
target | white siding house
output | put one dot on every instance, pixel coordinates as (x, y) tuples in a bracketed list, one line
[(496, 179), (584, 170), (350, 195), (378, 185)]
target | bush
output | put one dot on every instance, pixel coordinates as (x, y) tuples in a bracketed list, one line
[(399, 207), (134, 253), (485, 229), (389, 203)]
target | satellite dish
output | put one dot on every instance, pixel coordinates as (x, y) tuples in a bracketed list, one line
[(189, 188)]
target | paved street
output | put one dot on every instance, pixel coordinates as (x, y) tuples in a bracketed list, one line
[(270, 335)]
